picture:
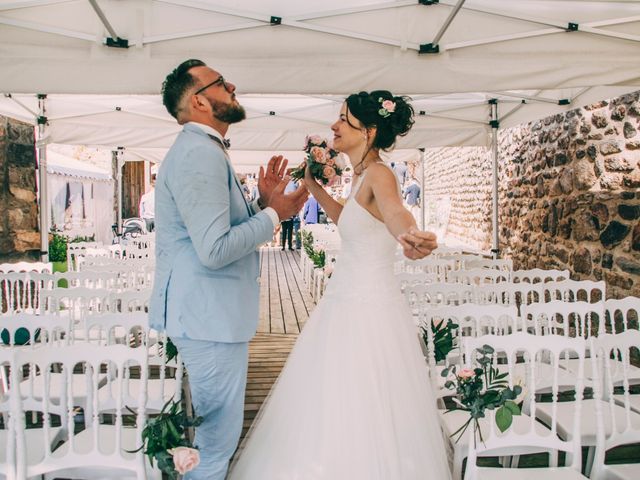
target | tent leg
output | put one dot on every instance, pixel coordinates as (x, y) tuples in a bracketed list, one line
[(43, 201), (495, 247), (423, 221), (116, 165)]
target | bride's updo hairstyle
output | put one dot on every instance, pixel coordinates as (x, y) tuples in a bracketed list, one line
[(391, 122)]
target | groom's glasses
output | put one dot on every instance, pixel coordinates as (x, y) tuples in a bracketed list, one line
[(219, 80)]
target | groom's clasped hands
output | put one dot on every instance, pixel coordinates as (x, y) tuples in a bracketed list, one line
[(271, 186)]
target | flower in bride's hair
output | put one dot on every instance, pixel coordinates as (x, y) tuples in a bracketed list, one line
[(328, 172), (319, 155), (389, 106), (185, 459)]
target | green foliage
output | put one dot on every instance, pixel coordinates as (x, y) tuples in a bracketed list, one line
[(317, 257), (58, 248), (164, 432), (485, 389), (443, 338)]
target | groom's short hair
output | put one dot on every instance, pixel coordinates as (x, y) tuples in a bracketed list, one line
[(176, 85)]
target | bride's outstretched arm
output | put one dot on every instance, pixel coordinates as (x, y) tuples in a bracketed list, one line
[(415, 243), (328, 204)]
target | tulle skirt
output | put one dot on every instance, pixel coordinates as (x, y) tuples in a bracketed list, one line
[(353, 402)]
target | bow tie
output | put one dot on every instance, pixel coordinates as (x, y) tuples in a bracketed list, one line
[(225, 143)]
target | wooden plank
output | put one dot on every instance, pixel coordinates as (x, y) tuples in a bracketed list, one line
[(263, 319), (275, 305), (288, 312), (302, 301)]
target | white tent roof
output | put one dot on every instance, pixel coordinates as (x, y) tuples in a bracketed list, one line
[(320, 47), (293, 70), (64, 165)]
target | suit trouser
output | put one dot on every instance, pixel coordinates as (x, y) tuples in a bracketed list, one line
[(217, 377), (287, 233)]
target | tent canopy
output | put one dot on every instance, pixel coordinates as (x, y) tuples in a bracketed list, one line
[(293, 62), (64, 165), (319, 47)]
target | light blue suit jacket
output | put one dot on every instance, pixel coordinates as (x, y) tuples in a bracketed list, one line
[(207, 264)]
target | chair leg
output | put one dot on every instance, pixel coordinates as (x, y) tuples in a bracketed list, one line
[(515, 461), (589, 463), (457, 463), (553, 459)]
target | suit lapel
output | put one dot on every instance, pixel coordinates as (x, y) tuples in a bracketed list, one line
[(233, 172)]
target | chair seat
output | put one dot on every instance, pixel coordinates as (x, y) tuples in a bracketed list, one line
[(615, 367), (155, 398), (588, 426), (35, 446), (626, 471), (544, 373), (634, 401), (452, 421), (560, 473)]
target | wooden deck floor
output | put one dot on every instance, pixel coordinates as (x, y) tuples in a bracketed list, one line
[(285, 305)]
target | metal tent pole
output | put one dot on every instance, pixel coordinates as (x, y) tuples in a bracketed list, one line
[(495, 125), (423, 211), (116, 169), (43, 202)]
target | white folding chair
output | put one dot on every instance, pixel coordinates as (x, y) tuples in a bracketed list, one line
[(526, 435), (623, 407), (621, 314), (479, 276), (539, 275), (100, 450), (498, 264)]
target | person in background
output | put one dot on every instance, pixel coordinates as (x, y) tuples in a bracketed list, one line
[(147, 208), (412, 197), (400, 169), (311, 212)]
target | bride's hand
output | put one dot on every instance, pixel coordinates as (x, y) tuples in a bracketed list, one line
[(417, 244), (309, 181)]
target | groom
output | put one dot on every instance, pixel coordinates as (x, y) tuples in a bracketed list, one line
[(206, 289)]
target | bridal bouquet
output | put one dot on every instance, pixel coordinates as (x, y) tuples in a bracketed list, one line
[(326, 164), (482, 389), (164, 439)]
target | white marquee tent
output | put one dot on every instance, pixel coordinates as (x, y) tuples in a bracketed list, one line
[(100, 64)]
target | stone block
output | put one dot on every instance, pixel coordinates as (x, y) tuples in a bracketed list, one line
[(22, 194), (628, 265), (26, 240), (607, 261), (629, 212), (633, 145), (617, 280), (610, 147), (611, 181), (618, 112), (601, 212), (599, 119), (632, 180), (613, 234), (582, 261), (635, 238), (584, 176), (592, 151), (618, 164), (629, 130)]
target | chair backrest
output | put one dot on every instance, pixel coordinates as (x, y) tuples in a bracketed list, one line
[(75, 302), (614, 352), (419, 278), (538, 275), (130, 301), (622, 314), (421, 296), (29, 329), (91, 359), (87, 279), (575, 290), (499, 264), (570, 319), (38, 267), (21, 290), (431, 265), (530, 347), (117, 328), (479, 276)]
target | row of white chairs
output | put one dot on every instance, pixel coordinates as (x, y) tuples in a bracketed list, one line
[(600, 418), (553, 320)]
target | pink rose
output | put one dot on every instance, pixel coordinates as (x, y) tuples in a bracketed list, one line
[(466, 374), (315, 140), (389, 106), (340, 162), (438, 323), (318, 155), (328, 172), (331, 162), (185, 459), (328, 270)]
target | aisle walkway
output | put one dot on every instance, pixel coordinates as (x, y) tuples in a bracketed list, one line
[(285, 305)]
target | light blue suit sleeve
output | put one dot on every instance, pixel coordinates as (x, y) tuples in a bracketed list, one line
[(202, 195)]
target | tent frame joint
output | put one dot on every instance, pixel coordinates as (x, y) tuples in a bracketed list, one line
[(275, 20), (116, 42), (428, 2), (564, 101), (572, 27), (429, 48)]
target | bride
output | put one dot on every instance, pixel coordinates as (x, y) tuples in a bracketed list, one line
[(354, 401)]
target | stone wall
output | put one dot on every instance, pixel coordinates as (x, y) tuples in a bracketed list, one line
[(569, 193), (19, 235)]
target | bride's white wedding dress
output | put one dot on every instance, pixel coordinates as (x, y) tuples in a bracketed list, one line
[(354, 400)]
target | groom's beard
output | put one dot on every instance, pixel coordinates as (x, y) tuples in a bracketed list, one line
[(228, 113)]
